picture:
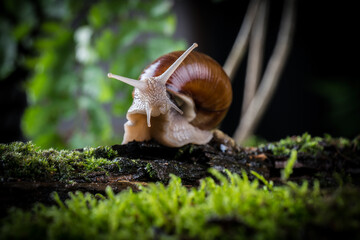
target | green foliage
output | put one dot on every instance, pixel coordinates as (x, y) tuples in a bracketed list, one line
[(227, 207), (16, 26), (72, 102), (26, 161)]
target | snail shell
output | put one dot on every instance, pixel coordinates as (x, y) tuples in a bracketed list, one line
[(197, 94), (203, 80)]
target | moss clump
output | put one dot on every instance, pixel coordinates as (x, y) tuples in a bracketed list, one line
[(306, 144), (229, 207), (149, 169), (26, 161)]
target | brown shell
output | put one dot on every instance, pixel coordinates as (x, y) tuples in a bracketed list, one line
[(203, 80)]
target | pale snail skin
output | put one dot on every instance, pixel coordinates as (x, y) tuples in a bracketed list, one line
[(179, 99)]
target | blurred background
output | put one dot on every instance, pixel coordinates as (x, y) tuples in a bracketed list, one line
[(54, 57)]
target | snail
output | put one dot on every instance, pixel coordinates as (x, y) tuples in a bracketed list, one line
[(179, 99)]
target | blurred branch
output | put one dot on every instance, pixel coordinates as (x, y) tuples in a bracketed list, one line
[(239, 47), (255, 59), (257, 106)]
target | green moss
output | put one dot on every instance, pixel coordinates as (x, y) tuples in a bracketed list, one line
[(226, 206), (304, 144), (26, 161), (268, 185), (254, 141), (356, 143), (288, 170), (187, 149), (337, 142), (229, 207), (149, 169)]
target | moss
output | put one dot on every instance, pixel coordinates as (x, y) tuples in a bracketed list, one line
[(149, 169), (288, 170), (184, 151), (227, 207), (305, 144), (254, 141), (26, 161)]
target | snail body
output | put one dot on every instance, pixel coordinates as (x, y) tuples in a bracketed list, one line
[(178, 99)]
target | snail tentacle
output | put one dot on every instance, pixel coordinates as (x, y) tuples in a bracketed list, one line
[(132, 82), (167, 74)]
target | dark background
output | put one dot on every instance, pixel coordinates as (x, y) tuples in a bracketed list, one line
[(318, 91)]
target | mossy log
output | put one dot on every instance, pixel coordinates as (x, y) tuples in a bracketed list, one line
[(29, 174), (301, 187)]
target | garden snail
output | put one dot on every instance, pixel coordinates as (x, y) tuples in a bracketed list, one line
[(179, 99)]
